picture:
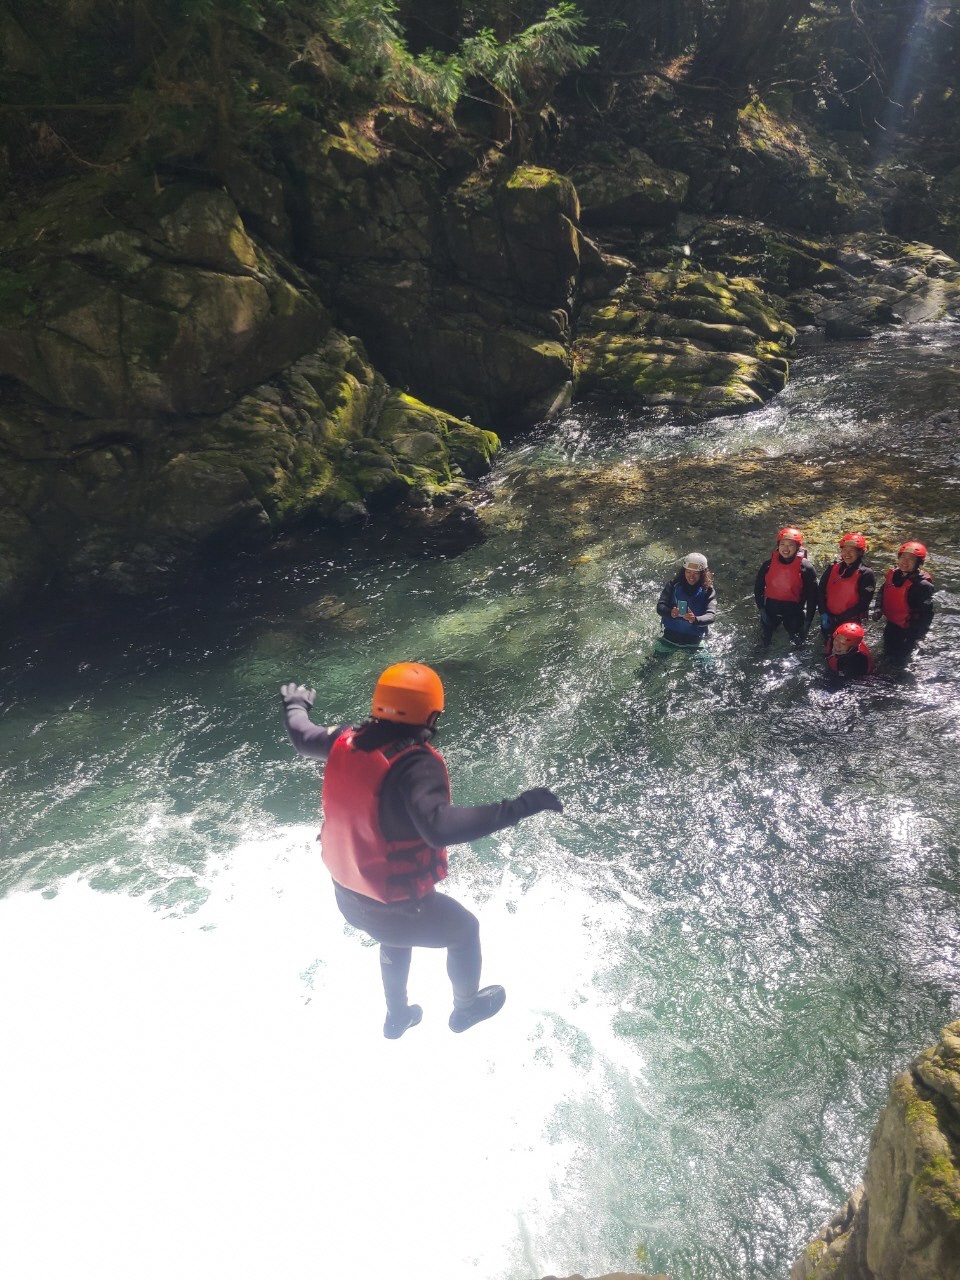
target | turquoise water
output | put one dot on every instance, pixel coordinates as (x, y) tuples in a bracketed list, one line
[(746, 920)]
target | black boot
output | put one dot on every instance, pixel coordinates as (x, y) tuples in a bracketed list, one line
[(402, 1020), (487, 1002)]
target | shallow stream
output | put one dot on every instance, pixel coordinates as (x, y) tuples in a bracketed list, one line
[(746, 920)]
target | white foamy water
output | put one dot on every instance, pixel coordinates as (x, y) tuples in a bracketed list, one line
[(212, 1096)]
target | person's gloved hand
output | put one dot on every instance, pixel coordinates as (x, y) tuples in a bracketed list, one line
[(876, 614), (537, 799), (825, 623), (297, 695)]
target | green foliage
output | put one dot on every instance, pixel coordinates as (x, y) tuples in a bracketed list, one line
[(536, 57), (374, 50)]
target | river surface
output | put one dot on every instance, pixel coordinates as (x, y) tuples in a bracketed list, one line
[(745, 922)]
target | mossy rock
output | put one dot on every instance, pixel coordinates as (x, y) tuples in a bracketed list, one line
[(171, 309), (697, 341), (629, 190)]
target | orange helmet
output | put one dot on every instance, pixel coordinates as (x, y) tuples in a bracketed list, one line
[(858, 540), (409, 693), (851, 630), (915, 549), (793, 534)]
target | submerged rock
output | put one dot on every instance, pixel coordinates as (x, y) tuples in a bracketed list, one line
[(903, 1223)]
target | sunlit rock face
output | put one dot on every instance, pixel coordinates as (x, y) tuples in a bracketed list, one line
[(165, 389), (460, 277), (904, 1222)]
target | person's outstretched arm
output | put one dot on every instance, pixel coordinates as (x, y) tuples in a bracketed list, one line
[(309, 739), (419, 783)]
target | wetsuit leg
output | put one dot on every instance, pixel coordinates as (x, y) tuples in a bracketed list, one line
[(394, 970), (435, 920), (793, 619), (790, 614)]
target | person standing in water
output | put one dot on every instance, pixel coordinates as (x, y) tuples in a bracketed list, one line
[(906, 601), (847, 652), (687, 606), (785, 588), (847, 587), (387, 822)]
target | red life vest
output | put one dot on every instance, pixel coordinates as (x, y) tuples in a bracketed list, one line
[(353, 846), (842, 593), (784, 581), (833, 659), (894, 600)]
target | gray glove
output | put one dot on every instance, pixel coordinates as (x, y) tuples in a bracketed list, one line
[(538, 799), (297, 695)]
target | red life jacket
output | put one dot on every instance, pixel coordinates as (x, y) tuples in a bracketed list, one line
[(353, 846), (894, 600), (784, 581), (833, 659), (842, 593)]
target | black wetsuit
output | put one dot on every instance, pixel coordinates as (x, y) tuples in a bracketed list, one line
[(796, 617), (414, 805)]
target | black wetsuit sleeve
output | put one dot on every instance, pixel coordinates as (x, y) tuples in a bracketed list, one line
[(760, 583), (808, 575), (710, 612), (822, 589), (665, 603), (867, 585), (920, 602), (312, 740), (414, 803)]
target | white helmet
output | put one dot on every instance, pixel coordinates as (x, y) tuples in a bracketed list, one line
[(695, 560)]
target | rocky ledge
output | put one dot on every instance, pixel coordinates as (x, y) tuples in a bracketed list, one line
[(903, 1222)]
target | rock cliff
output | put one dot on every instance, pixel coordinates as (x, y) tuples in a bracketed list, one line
[(351, 322), (903, 1223)]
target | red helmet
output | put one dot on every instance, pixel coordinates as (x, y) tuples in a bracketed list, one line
[(851, 630), (409, 693), (857, 539), (790, 532), (914, 549)]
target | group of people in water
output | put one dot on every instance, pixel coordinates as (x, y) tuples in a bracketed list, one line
[(787, 592), (387, 812)]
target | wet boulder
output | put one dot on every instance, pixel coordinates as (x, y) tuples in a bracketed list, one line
[(878, 281)]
